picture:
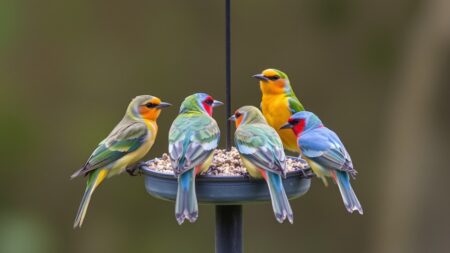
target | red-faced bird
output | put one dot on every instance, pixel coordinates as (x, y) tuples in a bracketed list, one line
[(193, 137), (262, 153), (325, 154), (278, 103), (128, 142)]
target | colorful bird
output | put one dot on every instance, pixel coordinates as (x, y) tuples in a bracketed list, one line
[(262, 154), (128, 142), (193, 137), (325, 154), (278, 103)]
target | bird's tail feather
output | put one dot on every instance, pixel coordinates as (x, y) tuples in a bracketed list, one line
[(76, 173), (351, 202), (280, 202), (94, 180), (186, 206)]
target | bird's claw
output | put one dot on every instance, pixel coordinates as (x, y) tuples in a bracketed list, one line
[(135, 170), (304, 174)]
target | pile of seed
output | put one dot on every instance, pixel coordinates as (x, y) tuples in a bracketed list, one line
[(224, 164)]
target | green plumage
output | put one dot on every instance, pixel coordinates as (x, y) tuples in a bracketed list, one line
[(294, 104), (128, 142), (124, 139), (193, 137), (259, 143), (262, 153)]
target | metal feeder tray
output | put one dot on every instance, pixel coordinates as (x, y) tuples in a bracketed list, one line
[(226, 190)]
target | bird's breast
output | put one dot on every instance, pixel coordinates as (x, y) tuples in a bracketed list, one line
[(275, 109)]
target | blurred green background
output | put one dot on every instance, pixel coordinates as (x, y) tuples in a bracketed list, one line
[(377, 72)]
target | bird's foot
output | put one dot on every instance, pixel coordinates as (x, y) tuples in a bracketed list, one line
[(304, 174), (135, 170)]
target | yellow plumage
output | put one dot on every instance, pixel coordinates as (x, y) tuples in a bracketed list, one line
[(129, 141), (278, 103), (275, 108), (251, 168), (139, 153)]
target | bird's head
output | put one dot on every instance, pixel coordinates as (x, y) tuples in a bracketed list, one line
[(273, 81), (199, 102), (247, 115), (302, 121), (146, 107)]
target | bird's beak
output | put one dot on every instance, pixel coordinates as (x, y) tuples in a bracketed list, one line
[(261, 77), (286, 126), (163, 105), (216, 103), (232, 118)]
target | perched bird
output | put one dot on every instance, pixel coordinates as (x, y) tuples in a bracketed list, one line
[(193, 137), (262, 154), (278, 103), (325, 154), (128, 142)]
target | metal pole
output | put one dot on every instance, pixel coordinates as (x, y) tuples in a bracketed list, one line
[(228, 217), (228, 69), (228, 229)]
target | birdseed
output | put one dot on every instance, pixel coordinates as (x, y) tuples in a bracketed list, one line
[(225, 163)]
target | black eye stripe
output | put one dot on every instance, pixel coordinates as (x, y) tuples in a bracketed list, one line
[(209, 101), (273, 78), (150, 105), (237, 115)]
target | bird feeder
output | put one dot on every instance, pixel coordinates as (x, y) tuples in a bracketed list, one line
[(227, 193)]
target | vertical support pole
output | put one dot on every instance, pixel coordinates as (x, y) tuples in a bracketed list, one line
[(228, 229), (228, 217), (228, 69)]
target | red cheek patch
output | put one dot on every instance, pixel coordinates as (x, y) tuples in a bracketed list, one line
[(208, 108), (299, 127)]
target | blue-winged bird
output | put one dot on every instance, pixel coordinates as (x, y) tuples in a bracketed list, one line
[(326, 155)]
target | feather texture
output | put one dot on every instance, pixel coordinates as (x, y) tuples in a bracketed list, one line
[(193, 137), (128, 142), (262, 154), (327, 156)]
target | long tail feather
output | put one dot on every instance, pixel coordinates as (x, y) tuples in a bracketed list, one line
[(280, 202), (94, 180), (351, 202), (186, 206)]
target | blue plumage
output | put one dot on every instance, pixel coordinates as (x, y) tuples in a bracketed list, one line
[(326, 154)]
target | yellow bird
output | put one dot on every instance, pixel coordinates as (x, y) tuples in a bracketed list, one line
[(278, 103), (128, 142)]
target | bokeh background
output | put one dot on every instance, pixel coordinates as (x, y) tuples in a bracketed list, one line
[(377, 72)]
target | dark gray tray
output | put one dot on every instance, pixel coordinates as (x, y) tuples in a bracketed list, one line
[(226, 189)]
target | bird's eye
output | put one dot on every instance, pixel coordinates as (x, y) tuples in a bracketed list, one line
[(237, 115), (274, 78), (294, 122), (209, 101), (150, 105)]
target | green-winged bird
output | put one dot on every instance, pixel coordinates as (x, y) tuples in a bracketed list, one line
[(128, 142), (193, 137), (262, 154)]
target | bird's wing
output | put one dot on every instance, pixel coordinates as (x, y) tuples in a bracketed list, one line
[(295, 105), (261, 145), (192, 139), (324, 147), (123, 140)]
